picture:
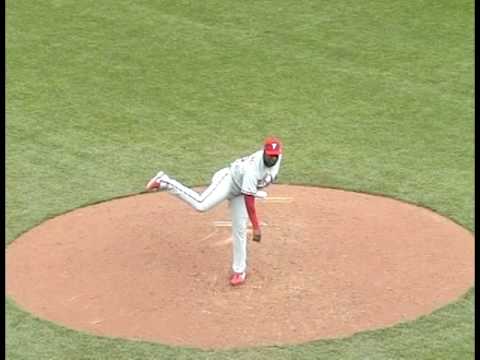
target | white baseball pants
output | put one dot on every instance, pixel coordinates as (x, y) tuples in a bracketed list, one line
[(220, 189)]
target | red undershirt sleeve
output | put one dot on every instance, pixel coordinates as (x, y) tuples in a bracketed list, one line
[(252, 214)]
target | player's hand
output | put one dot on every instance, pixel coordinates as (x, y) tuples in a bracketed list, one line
[(257, 235)]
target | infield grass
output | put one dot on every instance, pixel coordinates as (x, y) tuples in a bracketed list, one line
[(371, 96)]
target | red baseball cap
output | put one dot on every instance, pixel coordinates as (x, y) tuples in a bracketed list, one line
[(272, 146)]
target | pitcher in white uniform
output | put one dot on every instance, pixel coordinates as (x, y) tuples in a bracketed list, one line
[(240, 184)]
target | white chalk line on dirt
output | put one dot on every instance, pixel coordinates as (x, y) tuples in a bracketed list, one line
[(278, 199), (208, 236), (223, 242), (227, 223), (229, 239)]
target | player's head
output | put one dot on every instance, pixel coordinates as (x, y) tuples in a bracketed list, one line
[(272, 149)]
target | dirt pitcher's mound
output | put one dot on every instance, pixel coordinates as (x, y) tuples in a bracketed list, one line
[(331, 263)]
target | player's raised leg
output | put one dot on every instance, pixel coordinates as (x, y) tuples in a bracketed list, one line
[(215, 193)]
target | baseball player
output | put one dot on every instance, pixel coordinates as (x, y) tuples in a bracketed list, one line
[(240, 184)]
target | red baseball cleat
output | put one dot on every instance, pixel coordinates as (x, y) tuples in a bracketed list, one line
[(156, 182), (238, 278)]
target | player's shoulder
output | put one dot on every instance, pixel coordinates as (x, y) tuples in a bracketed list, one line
[(257, 157), (258, 154), (254, 156)]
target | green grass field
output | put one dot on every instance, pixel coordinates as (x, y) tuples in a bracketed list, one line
[(372, 96)]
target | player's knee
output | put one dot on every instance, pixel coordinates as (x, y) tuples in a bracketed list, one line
[(202, 208), (239, 233)]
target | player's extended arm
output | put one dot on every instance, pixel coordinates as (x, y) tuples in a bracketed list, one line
[(252, 214)]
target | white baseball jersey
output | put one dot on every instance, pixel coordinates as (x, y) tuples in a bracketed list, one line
[(250, 173)]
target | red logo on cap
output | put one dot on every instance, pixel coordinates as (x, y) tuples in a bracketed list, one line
[(273, 146)]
